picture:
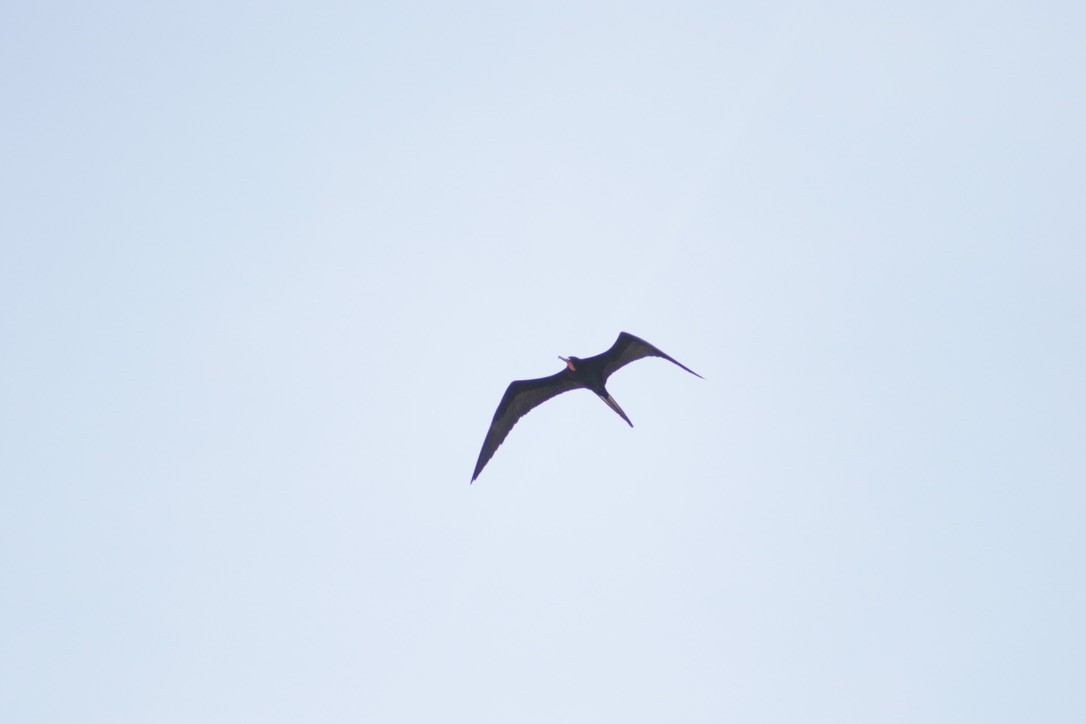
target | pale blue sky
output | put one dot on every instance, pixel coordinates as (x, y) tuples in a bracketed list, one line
[(266, 270)]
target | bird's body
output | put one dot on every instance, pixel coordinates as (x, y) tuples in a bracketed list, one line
[(590, 373)]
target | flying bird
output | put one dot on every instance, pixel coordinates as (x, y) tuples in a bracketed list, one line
[(591, 373)]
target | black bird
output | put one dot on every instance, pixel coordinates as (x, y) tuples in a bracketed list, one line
[(592, 373)]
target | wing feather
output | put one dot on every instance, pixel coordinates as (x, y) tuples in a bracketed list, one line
[(628, 348), (519, 399)]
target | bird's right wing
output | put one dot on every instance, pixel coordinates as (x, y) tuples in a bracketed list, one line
[(519, 399), (628, 348)]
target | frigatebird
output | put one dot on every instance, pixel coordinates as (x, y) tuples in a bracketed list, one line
[(524, 395)]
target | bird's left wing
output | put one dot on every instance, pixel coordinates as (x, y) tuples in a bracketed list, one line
[(519, 399)]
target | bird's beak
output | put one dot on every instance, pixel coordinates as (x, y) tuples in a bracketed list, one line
[(568, 363)]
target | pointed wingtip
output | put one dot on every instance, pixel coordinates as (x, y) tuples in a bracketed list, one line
[(689, 370)]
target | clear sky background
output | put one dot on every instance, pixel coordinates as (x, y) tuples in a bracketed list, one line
[(267, 268)]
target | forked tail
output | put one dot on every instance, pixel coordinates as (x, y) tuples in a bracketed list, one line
[(614, 406)]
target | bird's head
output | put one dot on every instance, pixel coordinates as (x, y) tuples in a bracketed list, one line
[(570, 362)]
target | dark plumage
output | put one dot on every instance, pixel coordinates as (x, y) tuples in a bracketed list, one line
[(591, 373)]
